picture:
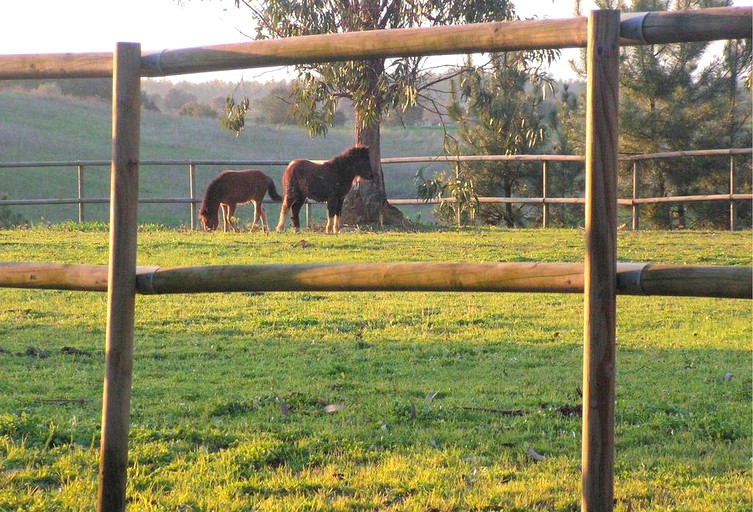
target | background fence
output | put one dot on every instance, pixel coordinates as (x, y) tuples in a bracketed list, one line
[(633, 164)]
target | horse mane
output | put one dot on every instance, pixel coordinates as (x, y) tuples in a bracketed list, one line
[(352, 153), (210, 196)]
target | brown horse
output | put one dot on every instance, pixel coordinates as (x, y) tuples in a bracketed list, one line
[(326, 182), (231, 188)]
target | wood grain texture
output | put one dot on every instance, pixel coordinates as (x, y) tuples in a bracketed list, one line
[(371, 44), (478, 277), (56, 65), (632, 278), (121, 293), (696, 25), (641, 28), (600, 263)]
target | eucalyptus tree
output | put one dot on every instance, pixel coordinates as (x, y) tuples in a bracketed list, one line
[(376, 86), (498, 111)]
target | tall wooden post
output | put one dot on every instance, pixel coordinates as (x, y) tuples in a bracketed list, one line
[(731, 191), (544, 189), (121, 293), (600, 265), (192, 193), (80, 191), (636, 183)]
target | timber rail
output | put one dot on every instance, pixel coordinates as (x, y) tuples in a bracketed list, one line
[(634, 202), (732, 282)]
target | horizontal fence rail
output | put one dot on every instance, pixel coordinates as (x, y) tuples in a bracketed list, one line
[(635, 29), (193, 200), (632, 278)]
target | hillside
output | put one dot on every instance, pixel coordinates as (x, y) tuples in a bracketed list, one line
[(38, 127)]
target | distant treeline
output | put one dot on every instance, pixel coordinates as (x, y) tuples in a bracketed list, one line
[(269, 101)]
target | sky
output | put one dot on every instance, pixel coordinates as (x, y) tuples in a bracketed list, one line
[(63, 26)]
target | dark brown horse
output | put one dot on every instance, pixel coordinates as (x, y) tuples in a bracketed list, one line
[(326, 182), (231, 188)]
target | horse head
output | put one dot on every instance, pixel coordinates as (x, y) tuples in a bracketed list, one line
[(210, 222), (361, 163)]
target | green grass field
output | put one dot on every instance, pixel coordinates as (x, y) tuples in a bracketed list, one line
[(373, 401), (37, 128)]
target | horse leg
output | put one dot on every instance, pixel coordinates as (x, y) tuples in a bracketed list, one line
[(295, 210), (230, 214), (256, 216), (283, 211), (338, 213), (331, 226), (263, 216), (328, 226), (333, 217), (225, 216), (259, 215)]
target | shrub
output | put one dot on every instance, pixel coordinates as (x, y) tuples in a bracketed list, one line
[(195, 109), (8, 219)]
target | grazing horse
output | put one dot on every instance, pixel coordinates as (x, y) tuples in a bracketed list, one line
[(231, 188), (326, 182)]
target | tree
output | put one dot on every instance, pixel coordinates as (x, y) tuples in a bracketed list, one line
[(567, 137), (176, 98), (274, 108), (374, 87), (196, 109), (497, 113), (727, 125), (668, 102)]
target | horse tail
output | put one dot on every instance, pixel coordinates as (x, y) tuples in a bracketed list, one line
[(273, 191)]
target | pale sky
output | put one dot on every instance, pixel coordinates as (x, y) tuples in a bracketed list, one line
[(63, 26)]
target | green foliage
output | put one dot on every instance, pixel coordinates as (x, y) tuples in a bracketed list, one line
[(86, 88), (230, 390), (8, 218), (149, 102), (194, 109), (497, 114), (275, 107), (100, 88), (464, 205), (669, 101), (374, 87), (412, 116), (235, 115), (176, 98)]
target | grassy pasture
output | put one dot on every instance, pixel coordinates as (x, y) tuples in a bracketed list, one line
[(373, 401), (37, 128)]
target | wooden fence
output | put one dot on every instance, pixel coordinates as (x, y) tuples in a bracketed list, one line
[(545, 201), (601, 34), (632, 278)]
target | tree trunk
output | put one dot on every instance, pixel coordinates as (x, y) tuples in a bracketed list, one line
[(366, 203)]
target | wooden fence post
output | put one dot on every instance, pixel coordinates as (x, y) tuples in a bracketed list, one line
[(731, 192), (544, 187), (80, 191), (192, 193), (121, 292), (636, 182), (600, 264)]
